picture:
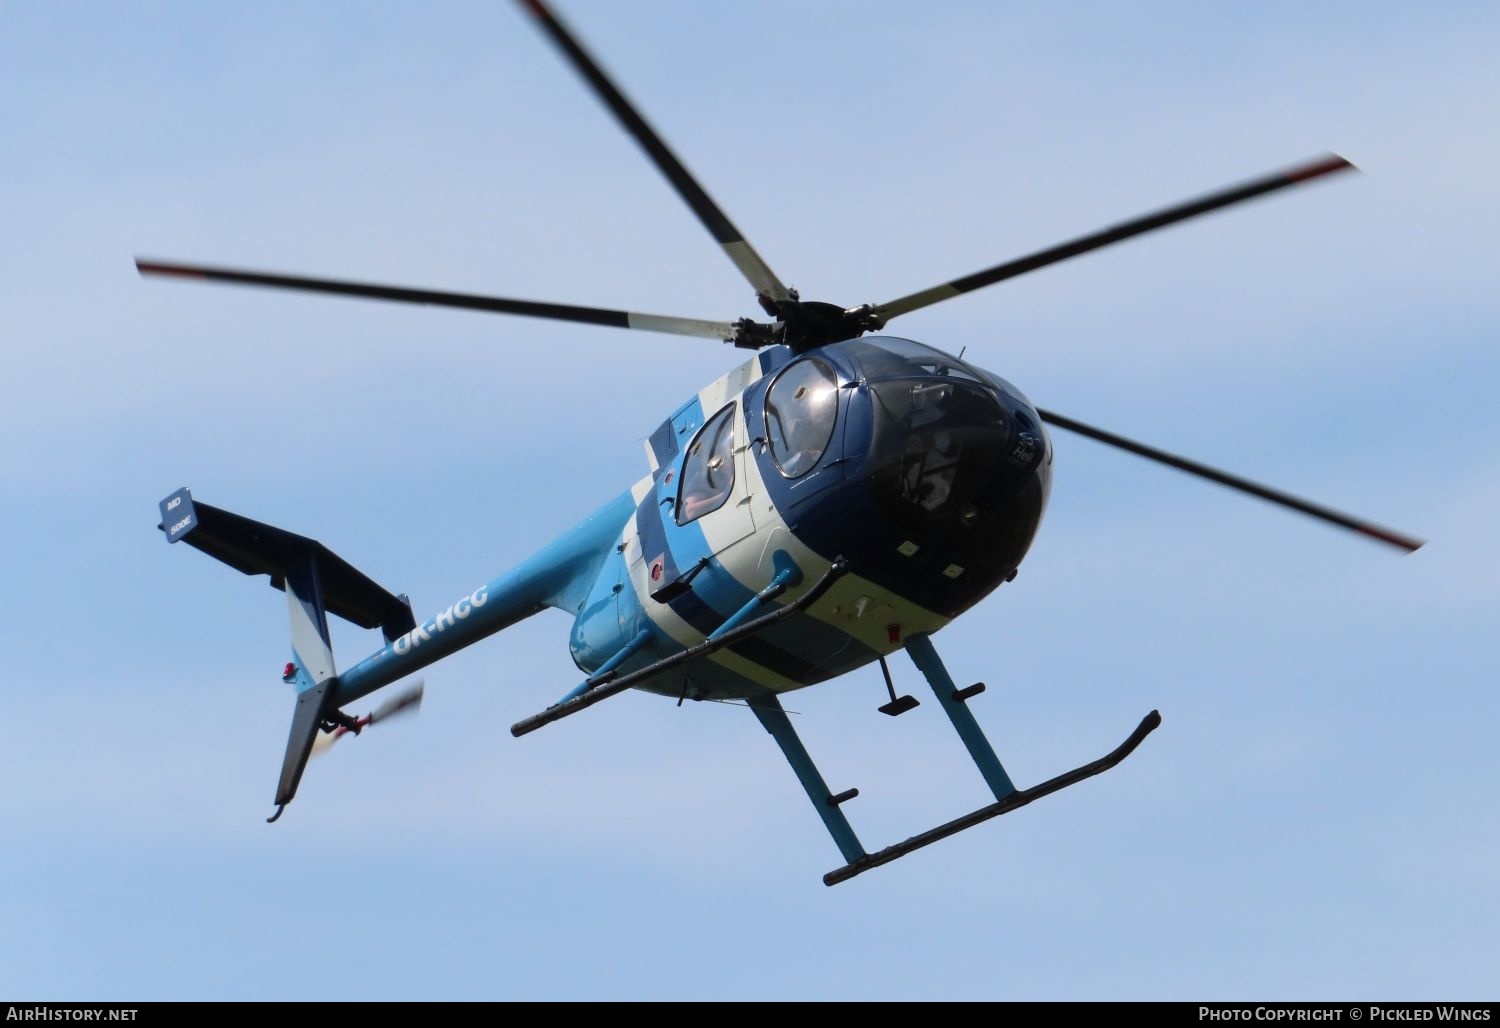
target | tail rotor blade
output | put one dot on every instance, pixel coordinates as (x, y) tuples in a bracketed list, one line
[(403, 703), (408, 702)]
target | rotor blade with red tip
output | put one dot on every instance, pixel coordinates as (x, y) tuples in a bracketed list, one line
[(400, 294), (1333, 517), (739, 250), (1125, 230)]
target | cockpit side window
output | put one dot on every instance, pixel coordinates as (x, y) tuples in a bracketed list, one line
[(801, 408), (708, 468)]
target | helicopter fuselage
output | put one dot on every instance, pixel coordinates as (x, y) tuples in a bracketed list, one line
[(927, 474)]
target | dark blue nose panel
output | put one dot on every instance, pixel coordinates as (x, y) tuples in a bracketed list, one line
[(947, 464)]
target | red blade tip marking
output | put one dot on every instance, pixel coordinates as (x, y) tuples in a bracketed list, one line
[(148, 268), (1330, 164)]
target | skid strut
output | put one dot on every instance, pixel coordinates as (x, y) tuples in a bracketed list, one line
[(954, 702), (1005, 806), (955, 705), (773, 718)]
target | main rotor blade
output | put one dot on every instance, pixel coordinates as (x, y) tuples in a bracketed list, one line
[(530, 308), (755, 270), (1333, 517), (1125, 230)]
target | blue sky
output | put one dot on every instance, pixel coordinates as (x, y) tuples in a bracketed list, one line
[(1317, 815)]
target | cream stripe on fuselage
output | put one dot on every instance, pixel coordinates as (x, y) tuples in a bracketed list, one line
[(854, 606)]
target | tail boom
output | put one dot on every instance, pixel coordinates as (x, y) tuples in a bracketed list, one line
[(318, 582), (557, 576)]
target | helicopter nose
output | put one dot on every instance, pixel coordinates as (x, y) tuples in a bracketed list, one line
[(942, 449), (1028, 448)]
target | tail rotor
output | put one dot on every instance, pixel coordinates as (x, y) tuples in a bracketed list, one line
[(404, 703)]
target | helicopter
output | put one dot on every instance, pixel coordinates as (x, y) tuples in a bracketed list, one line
[(840, 495)]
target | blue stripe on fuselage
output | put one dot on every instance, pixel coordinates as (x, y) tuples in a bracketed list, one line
[(715, 594), (799, 653), (664, 444)]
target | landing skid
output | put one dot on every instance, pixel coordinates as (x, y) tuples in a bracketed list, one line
[(954, 702), (1005, 806)]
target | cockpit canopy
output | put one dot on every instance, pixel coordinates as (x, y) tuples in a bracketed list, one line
[(892, 357), (956, 456), (801, 409)]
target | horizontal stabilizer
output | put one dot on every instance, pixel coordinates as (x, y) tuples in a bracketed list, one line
[(259, 549)]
